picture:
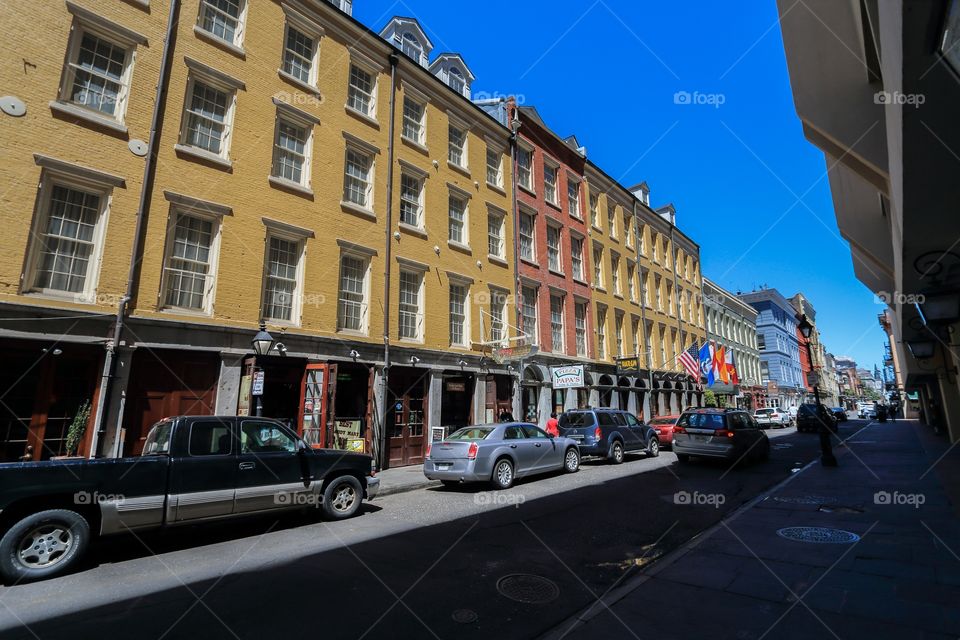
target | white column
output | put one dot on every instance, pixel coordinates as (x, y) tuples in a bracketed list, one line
[(435, 398), (110, 443), (570, 400), (544, 405), (228, 386), (479, 399)]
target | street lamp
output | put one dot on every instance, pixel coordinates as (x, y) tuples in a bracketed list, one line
[(262, 343), (827, 458)]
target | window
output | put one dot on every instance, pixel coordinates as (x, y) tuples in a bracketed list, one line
[(656, 246), (97, 75), (412, 47), (459, 327), (352, 297), (498, 314), (619, 334), (458, 220), (761, 342), (358, 178), (550, 183), (681, 303), (628, 230), (602, 332), (631, 286), (670, 307), (494, 167), (360, 93), (291, 152), (265, 437), (641, 241), (411, 200), (223, 19), (656, 286), (458, 147), (635, 334), (495, 241), (299, 53), (553, 249), (208, 117), (594, 207), (525, 168), (598, 266), (663, 347), (414, 120), (455, 80), (280, 292), (189, 265), (527, 246), (644, 289), (615, 273), (580, 327), (612, 220), (411, 305), (576, 257), (573, 198), (528, 312), (556, 323), (67, 238), (210, 439)]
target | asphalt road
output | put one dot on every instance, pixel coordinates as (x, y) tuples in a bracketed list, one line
[(421, 564)]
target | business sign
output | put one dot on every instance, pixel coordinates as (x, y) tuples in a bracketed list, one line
[(257, 387), (457, 387), (569, 377), (628, 365), (519, 352)]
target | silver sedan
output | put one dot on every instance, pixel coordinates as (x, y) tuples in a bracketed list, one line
[(499, 454)]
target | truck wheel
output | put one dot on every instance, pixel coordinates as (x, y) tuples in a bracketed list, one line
[(43, 545), (342, 498), (616, 453)]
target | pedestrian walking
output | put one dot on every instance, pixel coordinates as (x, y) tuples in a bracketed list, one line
[(553, 425)]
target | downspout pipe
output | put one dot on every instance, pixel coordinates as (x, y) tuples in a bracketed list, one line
[(146, 188), (387, 256), (648, 348)]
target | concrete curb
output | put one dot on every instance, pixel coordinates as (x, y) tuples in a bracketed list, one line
[(404, 488), (572, 623)]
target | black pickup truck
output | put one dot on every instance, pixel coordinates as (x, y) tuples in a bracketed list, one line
[(193, 469)]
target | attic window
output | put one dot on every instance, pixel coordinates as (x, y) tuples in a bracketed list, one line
[(412, 47), (455, 79)]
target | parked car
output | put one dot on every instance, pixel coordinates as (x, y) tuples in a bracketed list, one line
[(731, 434), (865, 410), (811, 416), (609, 433), (193, 469), (499, 454), (771, 417), (664, 425), (840, 413)]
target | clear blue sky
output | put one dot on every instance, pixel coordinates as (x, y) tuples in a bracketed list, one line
[(746, 184)]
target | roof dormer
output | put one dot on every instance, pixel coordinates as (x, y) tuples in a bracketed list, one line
[(642, 192), (453, 71), (407, 35), (344, 5)]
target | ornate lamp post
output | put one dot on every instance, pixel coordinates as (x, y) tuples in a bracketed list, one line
[(827, 458), (262, 344)]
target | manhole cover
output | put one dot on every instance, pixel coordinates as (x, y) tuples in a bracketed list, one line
[(817, 500), (819, 535), (464, 616), (527, 588)]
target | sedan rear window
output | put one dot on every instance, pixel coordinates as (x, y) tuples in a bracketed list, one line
[(471, 433), (702, 421)]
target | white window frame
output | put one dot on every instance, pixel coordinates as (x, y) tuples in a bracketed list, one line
[(465, 328), (612, 219), (631, 280), (498, 217), (576, 257), (365, 259), (497, 169), (595, 210), (598, 266), (294, 117), (419, 315), (618, 332), (524, 150), (310, 29), (406, 174), (368, 67), (601, 332), (241, 19), (524, 215), (231, 104), (556, 249), (580, 334), (534, 319), (641, 242), (573, 197), (464, 197), (498, 302), (296, 307), (209, 293), (615, 283), (48, 180), (419, 126), (628, 229), (551, 190), (464, 149), (371, 156), (561, 347)]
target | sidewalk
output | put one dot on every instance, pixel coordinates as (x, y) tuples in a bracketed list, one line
[(403, 479), (743, 580)]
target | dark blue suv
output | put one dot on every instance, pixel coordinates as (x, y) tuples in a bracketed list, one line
[(609, 433)]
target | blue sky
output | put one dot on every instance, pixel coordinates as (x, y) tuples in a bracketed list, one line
[(746, 184)]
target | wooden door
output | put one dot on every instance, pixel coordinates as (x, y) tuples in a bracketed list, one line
[(406, 426), (313, 404)]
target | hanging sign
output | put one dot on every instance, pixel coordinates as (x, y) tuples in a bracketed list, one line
[(569, 377)]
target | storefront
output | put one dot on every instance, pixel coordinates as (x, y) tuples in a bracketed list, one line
[(499, 397), (43, 387), (456, 400), (407, 408)]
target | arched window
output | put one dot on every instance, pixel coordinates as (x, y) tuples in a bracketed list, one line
[(456, 80), (412, 47)]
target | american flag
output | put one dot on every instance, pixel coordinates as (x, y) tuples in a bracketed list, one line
[(690, 359)]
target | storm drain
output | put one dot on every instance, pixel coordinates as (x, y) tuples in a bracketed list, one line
[(464, 616), (818, 535), (809, 499), (528, 588)]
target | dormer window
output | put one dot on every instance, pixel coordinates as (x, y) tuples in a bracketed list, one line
[(412, 47), (455, 80)]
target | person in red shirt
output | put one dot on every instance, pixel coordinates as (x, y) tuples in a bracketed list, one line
[(553, 426)]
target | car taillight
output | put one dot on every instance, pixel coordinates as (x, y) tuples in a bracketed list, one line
[(472, 451), (429, 446), (679, 429), (720, 433), (597, 433)]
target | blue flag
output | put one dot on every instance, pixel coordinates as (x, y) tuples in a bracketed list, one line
[(706, 361)]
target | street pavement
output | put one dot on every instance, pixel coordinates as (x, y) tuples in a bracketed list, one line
[(433, 562)]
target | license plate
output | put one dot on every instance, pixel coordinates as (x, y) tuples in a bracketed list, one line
[(444, 466), (700, 438), (576, 436)]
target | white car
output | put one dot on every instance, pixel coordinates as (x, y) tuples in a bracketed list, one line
[(771, 417)]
